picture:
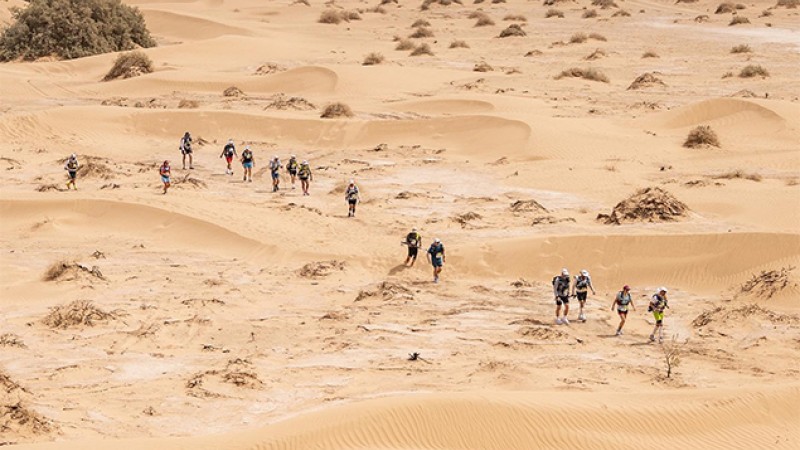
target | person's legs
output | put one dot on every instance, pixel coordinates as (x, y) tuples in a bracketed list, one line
[(558, 311), (184, 160), (622, 316), (191, 164), (566, 308)]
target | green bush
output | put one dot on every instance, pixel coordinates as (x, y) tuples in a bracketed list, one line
[(73, 29)]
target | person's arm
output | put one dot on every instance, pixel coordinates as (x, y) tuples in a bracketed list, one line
[(633, 306), (615, 302), (591, 286), (443, 257), (429, 256)]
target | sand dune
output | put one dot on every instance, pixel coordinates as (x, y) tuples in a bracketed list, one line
[(728, 114), (181, 26)]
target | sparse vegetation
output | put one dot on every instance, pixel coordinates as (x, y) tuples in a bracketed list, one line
[(405, 44), (738, 20), (651, 204), (738, 174), (645, 80), (459, 44), (597, 54), (373, 59), (728, 7), (515, 17), (482, 66), (422, 49), (188, 104), (621, 13), (790, 4), (589, 14), (701, 136), (330, 16), (129, 65), (484, 21), (553, 13), (649, 54), (672, 351), (587, 74), (70, 29), (76, 314), (428, 3), (513, 30), (604, 4), (752, 70), (420, 23), (742, 48), (597, 37), (336, 110), (421, 32), (233, 91), (578, 38)]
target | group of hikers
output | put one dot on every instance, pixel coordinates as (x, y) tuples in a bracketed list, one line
[(435, 253), (578, 287)]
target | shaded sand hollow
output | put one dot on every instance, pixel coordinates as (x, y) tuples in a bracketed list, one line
[(225, 316)]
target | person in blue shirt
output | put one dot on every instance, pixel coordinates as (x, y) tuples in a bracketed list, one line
[(437, 258)]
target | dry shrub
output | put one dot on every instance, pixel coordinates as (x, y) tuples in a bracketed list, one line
[(94, 167), (738, 20), (742, 48), (494, 2), (347, 16), (71, 271), (701, 136), (75, 314), (597, 37), (336, 110), (301, 2), (190, 182), (745, 93), (420, 23), (526, 206), (702, 18), (621, 13), (645, 80), (237, 372), (321, 269), (650, 54), (578, 38), (791, 4), (330, 16), (589, 14), (129, 65), (604, 4), (49, 187), (724, 314), (422, 49), (555, 2), (386, 2), (405, 44), (16, 418), (482, 66), (459, 44), (515, 17), (387, 291), (269, 68), (428, 3), (373, 59), (765, 13), (728, 7), (587, 74), (11, 340), (484, 21), (597, 54), (465, 219), (376, 10), (651, 204), (188, 104), (513, 30), (751, 70), (738, 175), (727, 74), (533, 53), (421, 33), (233, 91), (553, 13), (768, 283)]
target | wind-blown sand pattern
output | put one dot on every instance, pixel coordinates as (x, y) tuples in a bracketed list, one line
[(222, 315)]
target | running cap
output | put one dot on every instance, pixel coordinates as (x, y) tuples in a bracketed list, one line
[(230, 141), (274, 156), (585, 272), (414, 230), (247, 147), (305, 161), (564, 271), (352, 181), (626, 288), (73, 156), (293, 156), (437, 240), (662, 289)]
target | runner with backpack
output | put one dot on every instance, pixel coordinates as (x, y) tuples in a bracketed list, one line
[(622, 301), (413, 242), (305, 175), (583, 282), (292, 167), (658, 303), (248, 162), (351, 195), (229, 152), (186, 149), (561, 285), (72, 170)]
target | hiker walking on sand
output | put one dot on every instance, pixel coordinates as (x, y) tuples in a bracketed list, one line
[(72, 170), (229, 152), (248, 162), (583, 283), (622, 301), (274, 168), (291, 168), (165, 173), (413, 242), (657, 306), (352, 196), (561, 293), (304, 173), (186, 149), (436, 258)]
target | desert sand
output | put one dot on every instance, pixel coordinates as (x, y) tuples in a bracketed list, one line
[(222, 315)]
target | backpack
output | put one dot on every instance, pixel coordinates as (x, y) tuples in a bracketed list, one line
[(559, 284)]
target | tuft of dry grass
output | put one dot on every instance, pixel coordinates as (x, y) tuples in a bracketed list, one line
[(728, 7), (422, 49), (513, 30), (11, 340), (553, 13), (578, 38), (597, 54), (621, 13), (738, 174), (420, 23), (650, 54), (597, 37), (129, 65), (741, 48), (589, 14), (484, 21), (75, 314), (790, 4), (515, 17), (701, 136), (405, 44), (336, 110), (587, 74), (645, 80), (373, 59), (459, 44), (752, 70), (738, 20), (604, 4), (483, 66), (233, 91), (330, 16), (188, 104), (421, 33)]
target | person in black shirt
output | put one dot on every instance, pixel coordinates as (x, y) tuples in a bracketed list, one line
[(413, 242)]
